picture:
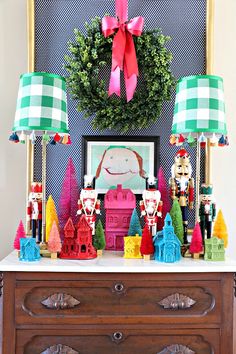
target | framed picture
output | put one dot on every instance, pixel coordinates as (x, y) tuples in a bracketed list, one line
[(120, 160)]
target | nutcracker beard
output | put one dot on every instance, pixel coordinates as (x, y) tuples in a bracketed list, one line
[(151, 208)]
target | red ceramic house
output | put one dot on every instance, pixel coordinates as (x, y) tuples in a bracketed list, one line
[(78, 244), (119, 204), (69, 246), (85, 249)]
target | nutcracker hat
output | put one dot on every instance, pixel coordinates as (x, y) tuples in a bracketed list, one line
[(182, 156), (206, 189), (151, 182), (89, 181), (36, 187)]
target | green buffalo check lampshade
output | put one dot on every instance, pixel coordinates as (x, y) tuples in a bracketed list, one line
[(199, 105), (41, 104)]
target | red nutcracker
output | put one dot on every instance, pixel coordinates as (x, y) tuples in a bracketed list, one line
[(34, 210), (151, 205), (88, 204), (182, 186)]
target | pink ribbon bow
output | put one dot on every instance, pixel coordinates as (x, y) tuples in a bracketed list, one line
[(123, 49)]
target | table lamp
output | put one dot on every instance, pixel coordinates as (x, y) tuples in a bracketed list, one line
[(41, 111), (199, 114)]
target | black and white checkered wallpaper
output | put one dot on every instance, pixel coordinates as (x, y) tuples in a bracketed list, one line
[(183, 20)]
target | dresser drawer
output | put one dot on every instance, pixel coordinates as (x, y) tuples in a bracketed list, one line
[(124, 300), (118, 341)]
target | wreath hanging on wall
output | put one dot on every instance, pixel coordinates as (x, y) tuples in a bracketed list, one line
[(91, 53)]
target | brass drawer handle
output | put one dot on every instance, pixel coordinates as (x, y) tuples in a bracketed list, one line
[(177, 302), (60, 301), (119, 287), (117, 336), (59, 349)]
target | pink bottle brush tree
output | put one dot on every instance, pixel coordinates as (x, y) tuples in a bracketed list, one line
[(54, 242), (163, 188), (20, 233), (196, 245), (69, 196)]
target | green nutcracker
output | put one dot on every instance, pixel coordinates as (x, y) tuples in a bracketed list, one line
[(207, 211)]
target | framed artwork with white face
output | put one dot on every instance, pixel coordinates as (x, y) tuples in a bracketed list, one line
[(120, 160)]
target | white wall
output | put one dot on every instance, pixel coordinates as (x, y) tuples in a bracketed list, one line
[(224, 159), (13, 62)]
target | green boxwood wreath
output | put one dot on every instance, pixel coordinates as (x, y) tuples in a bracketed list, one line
[(92, 52)]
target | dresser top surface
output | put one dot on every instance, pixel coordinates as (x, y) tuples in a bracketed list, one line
[(113, 262)]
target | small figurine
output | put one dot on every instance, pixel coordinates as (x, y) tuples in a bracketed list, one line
[(34, 210), (177, 221), (69, 195), (147, 247), (119, 204), (151, 204), (29, 250), (99, 238), (196, 246), (132, 246), (54, 241), (85, 249), (69, 240), (220, 228), (214, 249), (88, 204), (78, 244), (134, 226), (166, 243), (182, 186), (51, 216), (207, 210), (20, 233), (164, 190)]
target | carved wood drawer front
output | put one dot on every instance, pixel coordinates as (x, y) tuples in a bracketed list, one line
[(108, 301), (119, 341)]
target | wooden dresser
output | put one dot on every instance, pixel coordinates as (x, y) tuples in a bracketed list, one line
[(116, 306)]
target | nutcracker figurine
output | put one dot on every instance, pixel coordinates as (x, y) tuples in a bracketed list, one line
[(88, 204), (34, 210), (207, 211), (151, 204), (182, 186)]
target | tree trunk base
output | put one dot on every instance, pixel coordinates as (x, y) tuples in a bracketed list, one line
[(146, 257), (99, 253), (54, 255)]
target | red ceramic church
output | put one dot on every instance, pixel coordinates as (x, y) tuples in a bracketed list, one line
[(119, 204), (78, 244)]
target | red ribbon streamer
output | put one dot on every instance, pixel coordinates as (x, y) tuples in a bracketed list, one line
[(123, 49)]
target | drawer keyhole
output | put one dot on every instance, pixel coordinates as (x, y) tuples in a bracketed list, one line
[(119, 287), (117, 335)]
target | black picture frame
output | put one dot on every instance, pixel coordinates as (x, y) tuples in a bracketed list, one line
[(139, 147)]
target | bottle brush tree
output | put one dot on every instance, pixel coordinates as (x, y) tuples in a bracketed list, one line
[(134, 226), (177, 221), (51, 216), (54, 241), (196, 245), (20, 233), (163, 188), (69, 196), (220, 228), (146, 247), (99, 238)]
